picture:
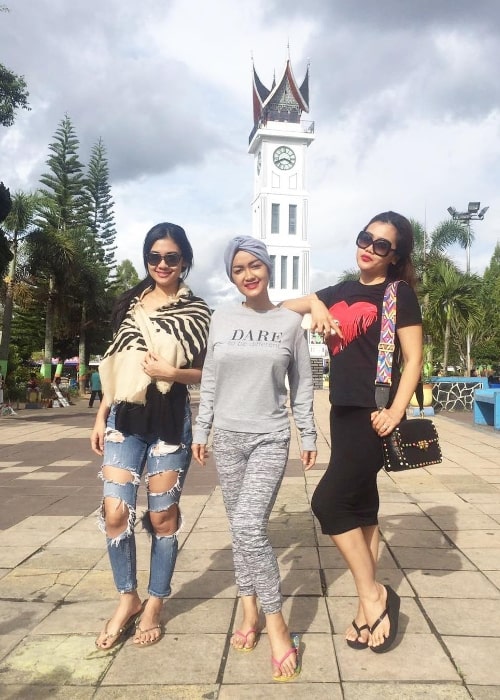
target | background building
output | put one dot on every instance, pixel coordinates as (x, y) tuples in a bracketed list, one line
[(279, 141)]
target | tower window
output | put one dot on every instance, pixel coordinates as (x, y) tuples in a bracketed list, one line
[(295, 272), (275, 218), (292, 220), (272, 276), (284, 264)]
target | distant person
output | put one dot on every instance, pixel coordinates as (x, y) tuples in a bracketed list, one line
[(1, 388), (144, 424), (248, 410), (95, 387)]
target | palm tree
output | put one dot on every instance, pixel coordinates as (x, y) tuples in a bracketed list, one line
[(18, 224), (451, 297)]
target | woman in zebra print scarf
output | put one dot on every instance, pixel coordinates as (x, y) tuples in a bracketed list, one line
[(144, 423)]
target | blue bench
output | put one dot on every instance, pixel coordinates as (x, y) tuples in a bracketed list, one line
[(487, 407)]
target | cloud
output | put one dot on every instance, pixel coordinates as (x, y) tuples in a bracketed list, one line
[(404, 96)]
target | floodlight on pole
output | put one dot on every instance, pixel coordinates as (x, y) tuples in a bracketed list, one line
[(473, 213)]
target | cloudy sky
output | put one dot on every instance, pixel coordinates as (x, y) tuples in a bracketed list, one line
[(404, 94)]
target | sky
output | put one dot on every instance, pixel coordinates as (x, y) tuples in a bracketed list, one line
[(404, 94)]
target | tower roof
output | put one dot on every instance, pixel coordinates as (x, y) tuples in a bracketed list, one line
[(285, 101)]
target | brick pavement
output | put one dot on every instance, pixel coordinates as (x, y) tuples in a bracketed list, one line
[(441, 552)]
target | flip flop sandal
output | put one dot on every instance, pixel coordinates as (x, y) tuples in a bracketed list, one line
[(122, 633), (391, 610), (277, 664), (148, 643), (244, 636), (355, 643)]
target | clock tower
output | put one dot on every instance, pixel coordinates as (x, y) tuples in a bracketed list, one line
[(279, 141)]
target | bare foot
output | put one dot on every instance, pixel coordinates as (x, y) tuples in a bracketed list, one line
[(149, 629), (243, 638), (373, 611), (129, 606), (279, 638)]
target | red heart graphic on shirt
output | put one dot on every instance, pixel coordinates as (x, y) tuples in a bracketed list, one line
[(354, 320)]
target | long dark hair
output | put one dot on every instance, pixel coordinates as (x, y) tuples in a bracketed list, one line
[(158, 232), (403, 268)]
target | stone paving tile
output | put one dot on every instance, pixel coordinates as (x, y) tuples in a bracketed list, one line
[(61, 559), (406, 691), (277, 691), (340, 582), (400, 664), (475, 615), (475, 538), (422, 558), (214, 584), (44, 692), (198, 615), (157, 692), (13, 556), (485, 692), (452, 584), (474, 657), (183, 665), (200, 560), (39, 585), (54, 659)]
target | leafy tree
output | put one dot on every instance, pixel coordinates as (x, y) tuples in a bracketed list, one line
[(5, 207), (13, 92), (487, 344), (452, 302), (18, 224), (13, 95), (126, 277)]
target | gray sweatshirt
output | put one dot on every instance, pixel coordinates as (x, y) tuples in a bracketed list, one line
[(243, 389)]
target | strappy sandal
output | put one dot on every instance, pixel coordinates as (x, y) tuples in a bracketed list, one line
[(391, 610), (277, 664), (119, 636), (244, 636), (356, 643)]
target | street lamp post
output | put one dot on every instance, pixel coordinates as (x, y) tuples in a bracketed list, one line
[(473, 213)]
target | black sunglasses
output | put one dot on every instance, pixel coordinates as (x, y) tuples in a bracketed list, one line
[(381, 246), (170, 259)]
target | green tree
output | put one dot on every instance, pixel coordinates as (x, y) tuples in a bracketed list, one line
[(63, 228), (126, 277), (487, 344), (5, 207), (18, 224), (452, 302), (99, 204)]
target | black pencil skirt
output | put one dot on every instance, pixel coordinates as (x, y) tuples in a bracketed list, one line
[(347, 495)]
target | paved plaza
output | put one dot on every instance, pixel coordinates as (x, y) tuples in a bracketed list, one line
[(441, 553)]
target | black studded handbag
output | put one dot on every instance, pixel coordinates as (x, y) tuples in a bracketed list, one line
[(415, 442)]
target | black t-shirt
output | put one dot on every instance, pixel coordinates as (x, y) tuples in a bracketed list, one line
[(353, 359)]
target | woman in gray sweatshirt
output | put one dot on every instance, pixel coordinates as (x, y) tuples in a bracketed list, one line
[(253, 347)]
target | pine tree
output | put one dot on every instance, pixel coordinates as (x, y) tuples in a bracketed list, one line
[(99, 203)]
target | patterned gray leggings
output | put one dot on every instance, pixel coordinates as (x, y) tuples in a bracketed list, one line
[(251, 468)]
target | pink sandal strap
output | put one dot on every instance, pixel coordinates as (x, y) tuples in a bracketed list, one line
[(245, 636), (276, 663)]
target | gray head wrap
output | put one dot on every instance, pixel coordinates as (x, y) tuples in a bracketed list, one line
[(249, 245)]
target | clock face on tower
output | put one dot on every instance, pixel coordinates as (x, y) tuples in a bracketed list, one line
[(284, 158)]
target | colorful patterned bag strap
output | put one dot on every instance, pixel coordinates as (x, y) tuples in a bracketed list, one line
[(386, 346)]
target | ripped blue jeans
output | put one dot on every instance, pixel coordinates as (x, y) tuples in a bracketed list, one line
[(133, 453)]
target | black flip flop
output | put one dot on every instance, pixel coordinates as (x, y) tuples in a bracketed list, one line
[(392, 610), (355, 643)]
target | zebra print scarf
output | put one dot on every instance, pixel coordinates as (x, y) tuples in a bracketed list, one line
[(177, 331)]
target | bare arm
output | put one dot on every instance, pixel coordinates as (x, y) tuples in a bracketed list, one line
[(321, 319), (411, 346), (97, 435)]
